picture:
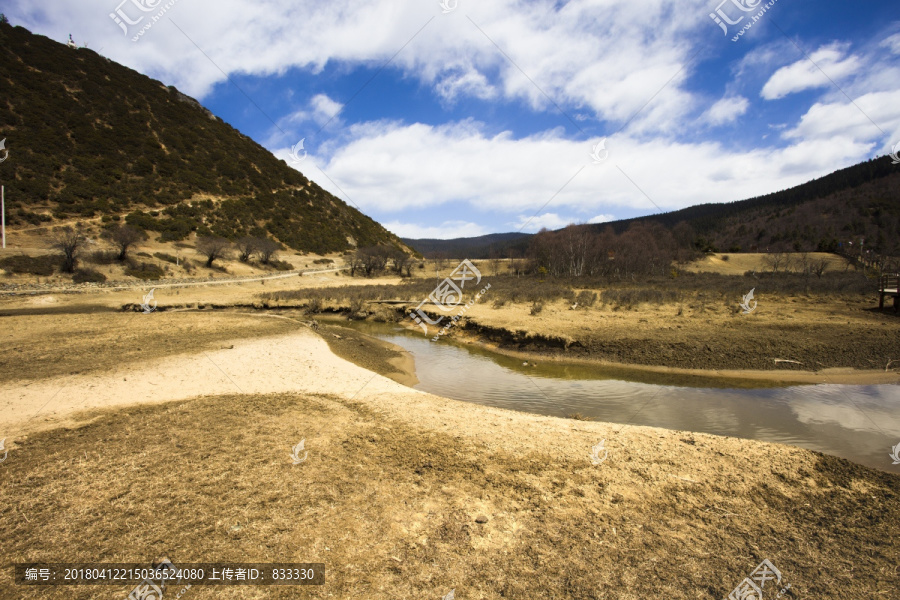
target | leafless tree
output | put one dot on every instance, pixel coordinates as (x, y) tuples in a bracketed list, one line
[(495, 262), (213, 247), (373, 259), (124, 237), (266, 249), (247, 246), (818, 267), (400, 260), (68, 240), (776, 260)]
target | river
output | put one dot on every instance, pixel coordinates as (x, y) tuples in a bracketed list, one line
[(857, 422)]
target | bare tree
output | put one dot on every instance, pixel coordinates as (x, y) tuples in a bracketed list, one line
[(400, 260), (124, 237), (247, 246), (68, 240), (819, 266), (374, 259), (213, 247), (266, 249), (776, 260), (495, 262)]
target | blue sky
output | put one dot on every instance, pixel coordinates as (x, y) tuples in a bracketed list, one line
[(469, 118)]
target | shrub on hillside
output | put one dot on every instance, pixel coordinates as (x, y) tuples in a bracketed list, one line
[(103, 257), (88, 276), (145, 271), (281, 265), (166, 257), (31, 265)]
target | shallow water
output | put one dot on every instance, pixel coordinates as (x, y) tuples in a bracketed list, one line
[(857, 422)]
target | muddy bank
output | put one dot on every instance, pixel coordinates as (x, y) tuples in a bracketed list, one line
[(369, 353), (789, 349)]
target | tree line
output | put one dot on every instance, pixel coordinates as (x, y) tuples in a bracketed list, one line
[(579, 250)]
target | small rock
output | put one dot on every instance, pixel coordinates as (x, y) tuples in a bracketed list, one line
[(481, 519)]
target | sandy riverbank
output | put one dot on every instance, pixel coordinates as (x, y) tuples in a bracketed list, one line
[(405, 494)]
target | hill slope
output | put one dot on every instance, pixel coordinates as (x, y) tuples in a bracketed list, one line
[(90, 138), (862, 201), (484, 246)]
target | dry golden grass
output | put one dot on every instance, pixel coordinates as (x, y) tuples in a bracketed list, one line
[(394, 481), (391, 507), (740, 263)]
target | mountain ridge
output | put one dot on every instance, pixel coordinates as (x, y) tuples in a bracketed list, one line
[(857, 202)]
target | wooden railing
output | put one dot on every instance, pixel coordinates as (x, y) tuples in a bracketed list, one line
[(889, 285)]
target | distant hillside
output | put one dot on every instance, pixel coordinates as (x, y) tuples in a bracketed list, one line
[(862, 201), (89, 138), (474, 247)]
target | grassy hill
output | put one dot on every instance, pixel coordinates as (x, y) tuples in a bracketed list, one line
[(91, 139)]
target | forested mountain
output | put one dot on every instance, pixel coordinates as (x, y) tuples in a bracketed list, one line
[(859, 202), (484, 246), (89, 138), (862, 201)]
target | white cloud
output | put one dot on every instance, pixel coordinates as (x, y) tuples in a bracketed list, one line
[(830, 66), (608, 58), (445, 231), (549, 220), (320, 109), (602, 219), (892, 43), (468, 83), (846, 122), (726, 110), (390, 167)]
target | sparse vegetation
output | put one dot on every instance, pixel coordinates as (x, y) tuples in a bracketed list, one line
[(31, 265), (145, 270), (124, 238), (68, 241), (166, 257), (88, 276), (213, 247)]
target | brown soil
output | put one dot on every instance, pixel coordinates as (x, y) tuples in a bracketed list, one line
[(369, 353)]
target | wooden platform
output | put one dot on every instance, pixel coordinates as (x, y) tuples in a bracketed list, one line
[(889, 285)]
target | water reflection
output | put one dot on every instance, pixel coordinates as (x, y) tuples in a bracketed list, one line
[(857, 422)]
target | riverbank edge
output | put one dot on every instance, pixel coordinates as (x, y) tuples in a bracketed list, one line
[(840, 375)]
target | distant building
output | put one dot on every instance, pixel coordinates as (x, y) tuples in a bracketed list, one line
[(71, 43)]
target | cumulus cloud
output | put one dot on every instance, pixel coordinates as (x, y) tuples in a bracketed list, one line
[(726, 110), (609, 58), (548, 220), (391, 167), (824, 67), (445, 231)]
